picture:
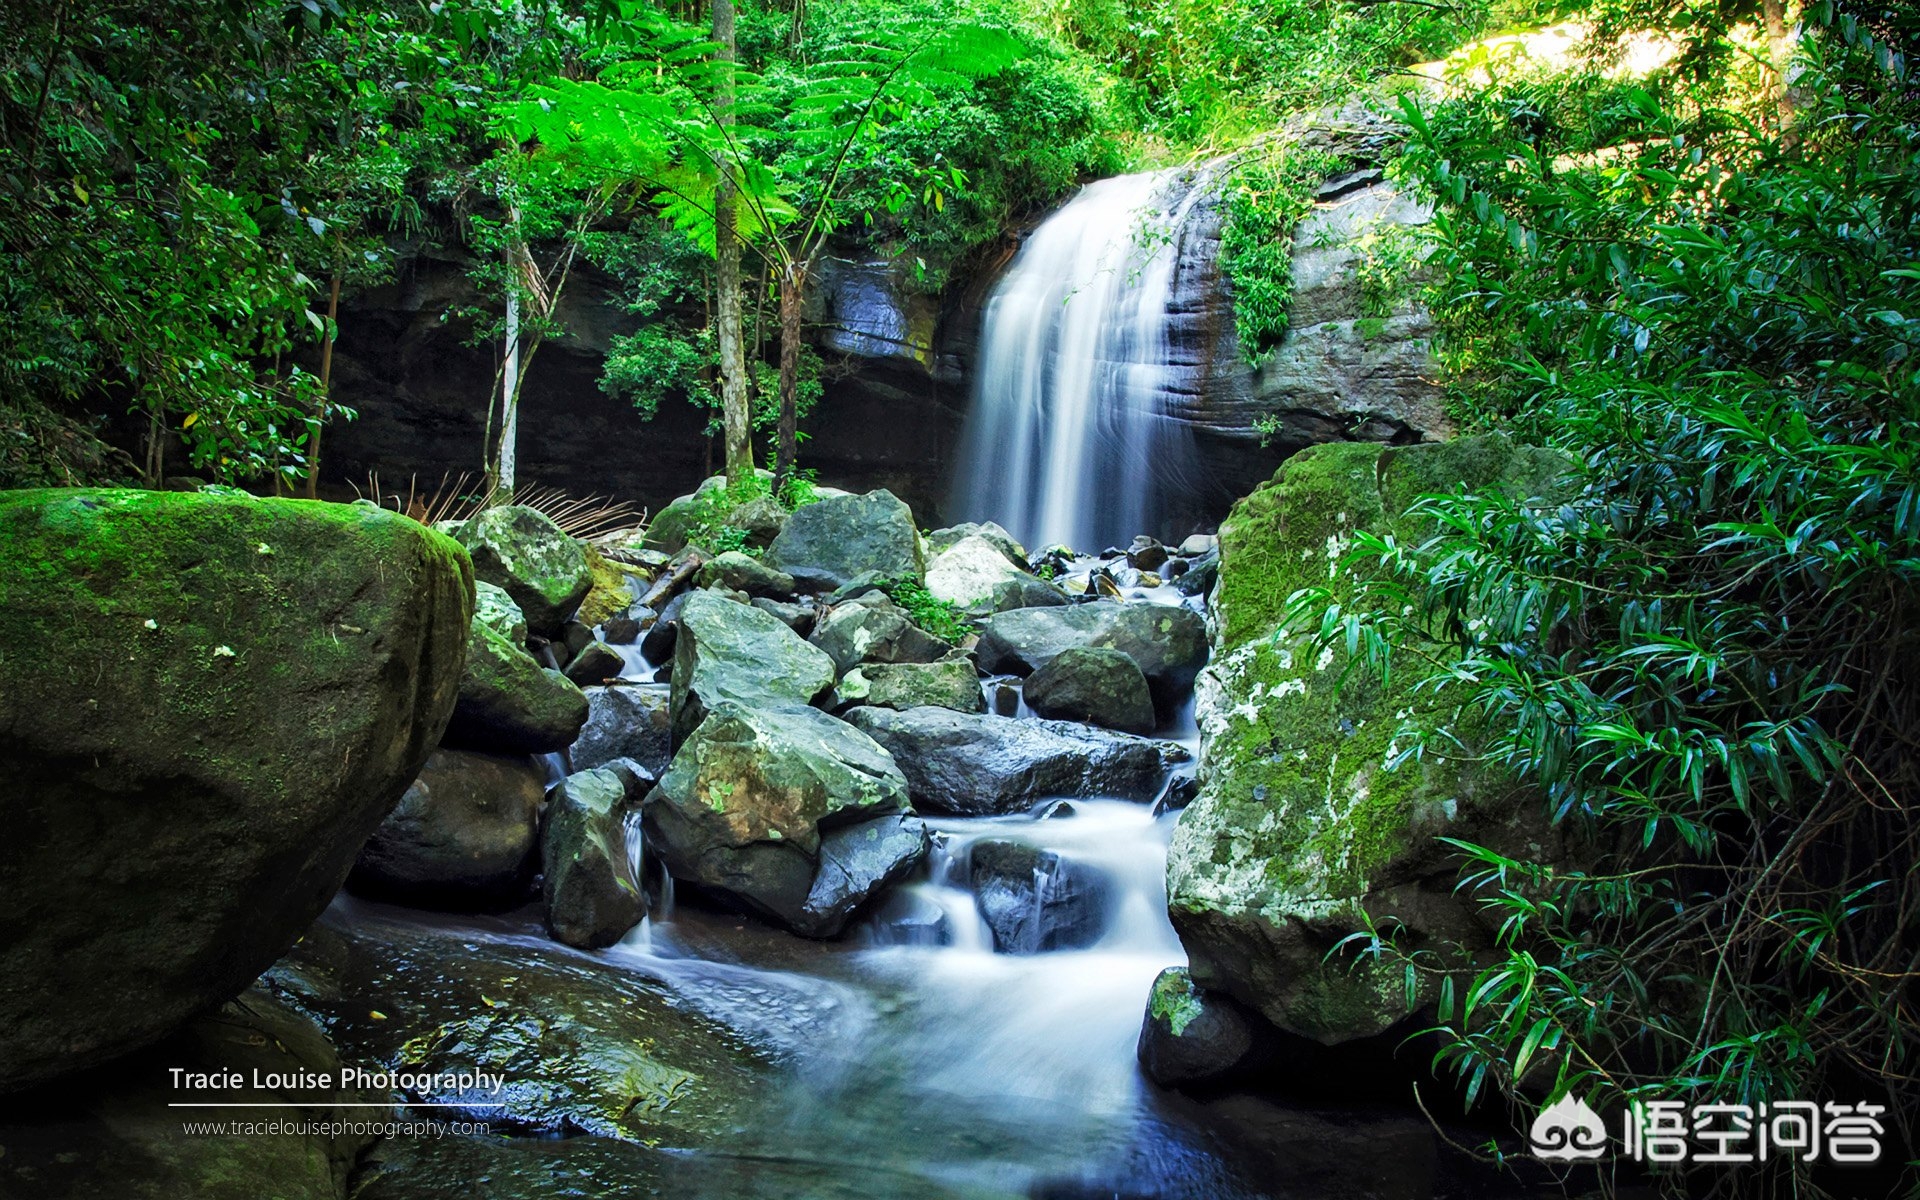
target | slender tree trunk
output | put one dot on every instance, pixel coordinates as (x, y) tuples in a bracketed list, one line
[(509, 388), (797, 30), (326, 379), (734, 409), (793, 286), (156, 449)]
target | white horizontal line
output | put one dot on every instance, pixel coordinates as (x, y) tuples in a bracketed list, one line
[(327, 1104)]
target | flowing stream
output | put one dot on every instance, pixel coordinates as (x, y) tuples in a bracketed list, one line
[(1069, 438)]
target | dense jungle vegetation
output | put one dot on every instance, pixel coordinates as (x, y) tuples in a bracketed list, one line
[(1702, 283)]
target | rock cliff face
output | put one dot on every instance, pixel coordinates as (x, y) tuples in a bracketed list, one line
[(890, 418)]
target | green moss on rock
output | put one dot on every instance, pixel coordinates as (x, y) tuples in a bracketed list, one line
[(207, 703), (1305, 827)]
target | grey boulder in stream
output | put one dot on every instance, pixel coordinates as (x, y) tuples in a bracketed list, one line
[(207, 703), (1168, 644), (977, 765), (591, 893), (832, 542), (788, 811), (462, 837), (731, 652)]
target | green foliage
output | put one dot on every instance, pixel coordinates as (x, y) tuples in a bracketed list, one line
[(941, 618), (648, 121), (1706, 658), (1217, 72), (659, 361), (710, 525), (1265, 194)]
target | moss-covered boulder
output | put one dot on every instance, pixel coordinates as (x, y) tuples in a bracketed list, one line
[(727, 651), (496, 610), (831, 542), (1304, 828), (743, 573), (1190, 1036), (1094, 684), (510, 704), (463, 836), (522, 551), (207, 703), (752, 794), (612, 592), (588, 882), (873, 629)]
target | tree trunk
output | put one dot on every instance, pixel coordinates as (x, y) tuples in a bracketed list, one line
[(793, 285), (734, 409), (326, 381), (505, 462)]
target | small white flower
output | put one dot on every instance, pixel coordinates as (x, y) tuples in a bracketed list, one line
[(152, 624), (223, 652), (1325, 660)]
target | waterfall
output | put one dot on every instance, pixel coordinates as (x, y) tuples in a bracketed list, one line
[(1070, 437)]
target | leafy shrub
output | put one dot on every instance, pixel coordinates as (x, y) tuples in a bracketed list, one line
[(941, 618), (1707, 659), (1263, 197)]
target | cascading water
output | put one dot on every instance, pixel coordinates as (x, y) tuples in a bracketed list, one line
[(1070, 438)]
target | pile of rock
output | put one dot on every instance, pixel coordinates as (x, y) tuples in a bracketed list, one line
[(768, 722)]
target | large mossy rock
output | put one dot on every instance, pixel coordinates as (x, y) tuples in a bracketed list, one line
[(977, 575), (592, 895), (510, 704), (1303, 829), (110, 1132), (522, 551), (977, 765), (744, 573), (726, 651), (207, 703), (463, 836), (752, 795), (832, 542), (1167, 643), (612, 591)]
